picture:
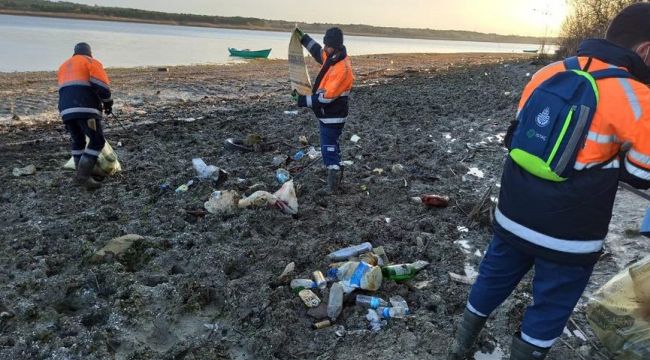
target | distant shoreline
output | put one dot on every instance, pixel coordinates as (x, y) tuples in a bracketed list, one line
[(232, 27)]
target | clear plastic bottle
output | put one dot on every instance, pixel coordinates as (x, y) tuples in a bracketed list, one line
[(371, 302), (335, 301), (348, 252), (392, 312), (398, 301), (301, 284), (357, 274), (403, 272)]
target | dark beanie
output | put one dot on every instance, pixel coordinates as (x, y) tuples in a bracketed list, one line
[(82, 49), (334, 38), (631, 26)]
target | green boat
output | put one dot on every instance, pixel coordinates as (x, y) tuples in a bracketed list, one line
[(246, 53)]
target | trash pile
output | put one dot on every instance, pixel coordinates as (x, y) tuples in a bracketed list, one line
[(356, 268)]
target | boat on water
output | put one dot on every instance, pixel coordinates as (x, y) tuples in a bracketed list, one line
[(247, 53)]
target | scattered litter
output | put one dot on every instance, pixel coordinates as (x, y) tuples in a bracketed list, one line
[(388, 220), (106, 161), (211, 327), (340, 331), (285, 199), (319, 279), (507, 93), (308, 297), (371, 302), (355, 138), (206, 172), (347, 163), (23, 171), (119, 144), (432, 200), (282, 176), (302, 139), (350, 251), (298, 285), (288, 270), (189, 119), (378, 171), (335, 301), (397, 169), (164, 186), (291, 112), (184, 187), (298, 155), (402, 272), (356, 275), (313, 153), (462, 229), (222, 202), (374, 321), (476, 172), (115, 247), (461, 278), (322, 324), (579, 335)]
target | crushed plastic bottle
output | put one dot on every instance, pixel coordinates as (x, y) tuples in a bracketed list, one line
[(350, 251), (357, 274), (402, 272), (335, 301), (282, 176), (300, 284), (398, 301), (392, 312), (371, 302), (374, 320), (299, 155)]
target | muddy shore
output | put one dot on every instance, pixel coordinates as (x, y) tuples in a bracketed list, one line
[(206, 286)]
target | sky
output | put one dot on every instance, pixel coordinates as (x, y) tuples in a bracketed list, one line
[(507, 17)]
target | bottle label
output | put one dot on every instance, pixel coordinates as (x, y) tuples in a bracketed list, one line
[(374, 303), (400, 270), (355, 280)]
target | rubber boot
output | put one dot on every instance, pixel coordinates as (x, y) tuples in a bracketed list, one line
[(84, 171), (334, 177), (521, 350), (466, 335)]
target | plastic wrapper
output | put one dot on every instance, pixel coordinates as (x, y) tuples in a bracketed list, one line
[(106, 161), (619, 313)]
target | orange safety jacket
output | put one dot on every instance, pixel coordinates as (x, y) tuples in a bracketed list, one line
[(83, 87), (332, 85), (568, 221)]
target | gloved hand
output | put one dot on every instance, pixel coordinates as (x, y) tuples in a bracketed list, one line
[(300, 32), (294, 95), (108, 107)]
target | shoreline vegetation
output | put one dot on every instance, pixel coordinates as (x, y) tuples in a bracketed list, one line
[(68, 10)]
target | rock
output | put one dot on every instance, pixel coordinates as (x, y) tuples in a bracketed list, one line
[(116, 247), (319, 312), (27, 170)]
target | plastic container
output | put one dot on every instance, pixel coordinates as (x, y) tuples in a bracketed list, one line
[(357, 274), (300, 284), (371, 302), (348, 252), (282, 176), (299, 155), (402, 272), (319, 279), (335, 301), (392, 312)]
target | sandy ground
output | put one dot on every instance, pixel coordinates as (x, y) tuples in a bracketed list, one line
[(202, 287)]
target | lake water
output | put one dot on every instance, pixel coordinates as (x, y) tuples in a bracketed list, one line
[(37, 43)]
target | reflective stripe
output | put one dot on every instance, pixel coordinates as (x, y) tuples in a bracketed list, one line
[(614, 164), (311, 44), (80, 110), (473, 310), (333, 120), (639, 157), (539, 343), (636, 171), (74, 83), (549, 242), (99, 83), (76, 152), (308, 99), (321, 98), (92, 152), (632, 98), (601, 139)]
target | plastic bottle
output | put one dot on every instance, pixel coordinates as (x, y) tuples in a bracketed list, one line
[(403, 272), (348, 252), (398, 301), (299, 155), (392, 312), (371, 302), (357, 274), (319, 279), (301, 284), (282, 176), (335, 302), (374, 320)]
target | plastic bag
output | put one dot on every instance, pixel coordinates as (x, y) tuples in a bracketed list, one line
[(106, 161), (619, 313)]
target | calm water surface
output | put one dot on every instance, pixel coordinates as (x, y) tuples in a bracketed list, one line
[(37, 43)]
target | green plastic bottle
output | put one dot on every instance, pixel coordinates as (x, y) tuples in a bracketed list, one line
[(402, 272)]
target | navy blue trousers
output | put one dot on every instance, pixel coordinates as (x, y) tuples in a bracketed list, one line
[(329, 144), (556, 290), (79, 129)]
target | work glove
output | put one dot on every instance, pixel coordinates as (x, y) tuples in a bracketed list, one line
[(294, 95), (108, 107), (300, 32)]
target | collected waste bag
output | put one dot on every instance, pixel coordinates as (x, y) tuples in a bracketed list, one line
[(106, 161), (619, 313)]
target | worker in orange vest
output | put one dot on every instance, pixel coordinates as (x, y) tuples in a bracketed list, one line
[(583, 125), (84, 93), (330, 99)]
